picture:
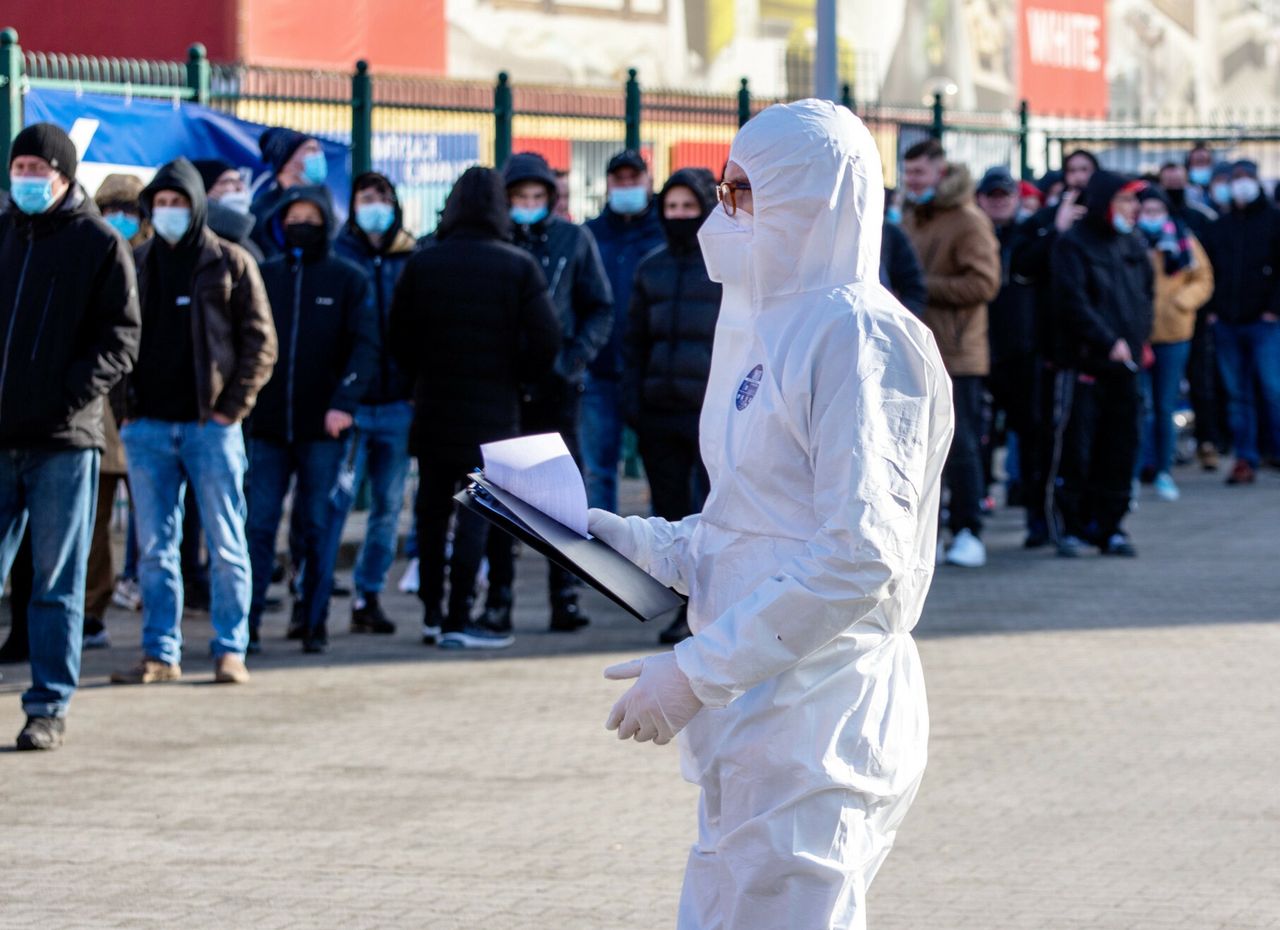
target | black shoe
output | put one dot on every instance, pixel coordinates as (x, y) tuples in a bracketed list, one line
[(14, 652), (369, 617), (497, 617), (95, 634), (41, 733), (1119, 544), (297, 623), (677, 632), (432, 623), (339, 590), (476, 636), (316, 642), (255, 642), (568, 618)]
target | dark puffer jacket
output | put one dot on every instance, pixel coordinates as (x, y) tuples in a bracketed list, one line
[(1244, 249), (470, 321), (672, 321), (70, 323), (575, 277), (1104, 284), (323, 310), (383, 263)]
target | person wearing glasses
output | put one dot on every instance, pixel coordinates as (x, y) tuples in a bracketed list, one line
[(799, 700)]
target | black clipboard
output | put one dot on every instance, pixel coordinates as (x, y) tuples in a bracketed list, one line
[(612, 574)]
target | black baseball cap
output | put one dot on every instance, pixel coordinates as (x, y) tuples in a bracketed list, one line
[(997, 179), (629, 158)]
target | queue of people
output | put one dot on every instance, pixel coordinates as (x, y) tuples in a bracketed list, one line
[(220, 355)]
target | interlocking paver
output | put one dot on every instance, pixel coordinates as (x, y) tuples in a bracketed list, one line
[(1106, 738)]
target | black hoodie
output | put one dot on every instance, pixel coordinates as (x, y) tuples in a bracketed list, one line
[(1103, 282), (672, 319), (69, 322), (570, 262), (1244, 248), (470, 321), (323, 311)]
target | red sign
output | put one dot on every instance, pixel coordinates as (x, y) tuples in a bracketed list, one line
[(1062, 56)]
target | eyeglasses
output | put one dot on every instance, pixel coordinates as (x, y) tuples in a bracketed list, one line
[(727, 194)]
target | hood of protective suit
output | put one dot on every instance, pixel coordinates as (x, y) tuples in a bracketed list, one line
[(818, 194)]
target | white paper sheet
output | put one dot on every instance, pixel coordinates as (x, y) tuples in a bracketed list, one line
[(540, 471)]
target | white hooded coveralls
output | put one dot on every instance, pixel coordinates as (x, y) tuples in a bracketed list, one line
[(825, 427)]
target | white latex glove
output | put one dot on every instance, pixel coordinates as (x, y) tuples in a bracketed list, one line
[(658, 706), (618, 534)]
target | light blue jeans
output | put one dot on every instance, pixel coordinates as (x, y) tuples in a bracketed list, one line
[(162, 457), (54, 491), (382, 451), (601, 438)]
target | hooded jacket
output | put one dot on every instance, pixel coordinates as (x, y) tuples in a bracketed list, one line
[(1244, 248), (323, 311), (672, 321), (826, 424), (232, 334), (384, 265), (573, 271), (1102, 282), (961, 261), (1013, 322), (624, 241), (470, 321), (70, 323)]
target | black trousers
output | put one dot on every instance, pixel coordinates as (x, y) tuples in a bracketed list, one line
[(678, 482), (552, 408), (439, 478), (1018, 388), (1208, 399), (964, 471), (1096, 441)]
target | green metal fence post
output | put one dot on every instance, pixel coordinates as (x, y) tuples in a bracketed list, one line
[(361, 119), (1024, 141), (744, 103), (502, 116), (846, 98), (633, 111), (939, 121), (198, 73), (10, 97)]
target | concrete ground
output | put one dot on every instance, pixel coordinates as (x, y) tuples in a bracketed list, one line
[(1105, 750)]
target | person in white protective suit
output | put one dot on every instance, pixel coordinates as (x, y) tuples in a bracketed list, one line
[(800, 698)]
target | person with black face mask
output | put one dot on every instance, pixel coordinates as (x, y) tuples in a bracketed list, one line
[(324, 313), (208, 345), (667, 355)]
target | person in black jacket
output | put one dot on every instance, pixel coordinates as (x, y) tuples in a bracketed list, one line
[(324, 318), (69, 312), (296, 160), (667, 355), (228, 201), (583, 299), (1244, 315), (471, 319), (1104, 283), (900, 269), (1012, 333)]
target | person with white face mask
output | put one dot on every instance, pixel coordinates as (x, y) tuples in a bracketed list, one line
[(228, 202), (799, 699)]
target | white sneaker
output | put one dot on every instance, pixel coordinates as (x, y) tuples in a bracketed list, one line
[(409, 580), (967, 551), (1165, 487), (430, 634), (127, 594)]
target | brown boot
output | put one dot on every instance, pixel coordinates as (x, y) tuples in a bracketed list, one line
[(1207, 453), (229, 669), (146, 672)]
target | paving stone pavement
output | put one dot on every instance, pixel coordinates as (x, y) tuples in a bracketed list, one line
[(1105, 750)]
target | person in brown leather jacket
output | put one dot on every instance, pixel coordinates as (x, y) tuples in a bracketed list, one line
[(961, 260)]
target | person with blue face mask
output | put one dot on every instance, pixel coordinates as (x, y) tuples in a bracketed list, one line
[(69, 315), (628, 229), (1104, 282), (296, 160), (1200, 169), (375, 239), (208, 346), (584, 299)]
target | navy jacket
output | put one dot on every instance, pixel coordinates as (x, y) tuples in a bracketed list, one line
[(623, 243)]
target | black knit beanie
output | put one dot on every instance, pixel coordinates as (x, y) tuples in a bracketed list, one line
[(47, 141)]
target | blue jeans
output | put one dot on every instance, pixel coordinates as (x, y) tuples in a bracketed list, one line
[(54, 492), (163, 458), (271, 465), (379, 446), (601, 441), (1161, 388), (1249, 360)]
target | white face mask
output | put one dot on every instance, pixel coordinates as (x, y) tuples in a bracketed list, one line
[(726, 247), (237, 201), (1245, 190)]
